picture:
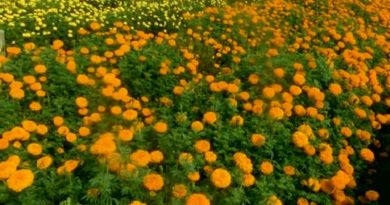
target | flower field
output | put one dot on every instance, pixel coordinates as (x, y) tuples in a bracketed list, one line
[(193, 102)]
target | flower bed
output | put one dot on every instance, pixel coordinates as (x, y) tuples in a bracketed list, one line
[(272, 103)]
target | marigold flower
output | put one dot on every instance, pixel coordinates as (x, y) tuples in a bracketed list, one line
[(198, 199), (140, 158), (17, 94), (367, 155), (71, 165), (274, 200), (40, 69), (29, 125), (276, 113), (160, 127), (130, 115), (210, 117), (193, 176), (44, 162), (372, 195), (243, 162), (81, 102), (35, 106), (153, 182), (266, 167), (125, 135), (335, 89), (258, 140), (300, 139), (34, 149), (95, 26), (202, 146), (210, 156), (197, 126), (289, 170), (156, 156), (57, 44), (137, 203), (179, 191), (20, 180)]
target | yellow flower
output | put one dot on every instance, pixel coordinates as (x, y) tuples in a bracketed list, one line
[(20, 180)]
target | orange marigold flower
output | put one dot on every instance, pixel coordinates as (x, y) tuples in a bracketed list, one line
[(346, 131), (274, 200), (243, 162), (193, 176), (40, 69), (156, 156), (258, 139), (160, 127), (140, 158), (29, 125), (17, 94), (198, 199), (289, 170), (153, 182), (137, 203), (35, 106), (95, 26), (372, 195), (299, 79), (57, 44), (58, 121), (253, 79), (248, 180), (34, 149), (202, 146), (71, 165), (276, 113), (279, 72), (84, 131), (335, 89), (179, 191), (266, 167), (81, 102), (44, 162), (130, 115), (125, 135), (210, 117), (237, 120), (367, 155), (197, 126), (116, 110), (300, 139), (20, 180), (13, 51), (210, 156), (4, 144), (221, 178)]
